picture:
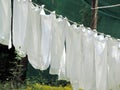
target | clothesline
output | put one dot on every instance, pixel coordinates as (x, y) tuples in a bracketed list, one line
[(56, 14), (73, 21), (110, 6)]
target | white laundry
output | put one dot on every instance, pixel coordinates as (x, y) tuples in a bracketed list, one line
[(5, 22), (114, 64), (38, 37), (20, 14), (68, 39), (101, 62), (61, 74), (75, 55), (87, 66), (46, 37), (57, 46), (33, 37)]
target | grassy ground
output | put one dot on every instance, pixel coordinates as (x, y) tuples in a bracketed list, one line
[(46, 87), (35, 86)]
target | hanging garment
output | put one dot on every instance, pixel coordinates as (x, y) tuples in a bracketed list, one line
[(114, 64), (61, 74), (57, 45), (33, 36), (20, 14), (38, 37), (73, 54), (5, 22), (87, 66), (46, 37), (68, 42), (101, 62)]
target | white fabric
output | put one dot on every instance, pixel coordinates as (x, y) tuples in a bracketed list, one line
[(46, 37), (69, 36), (101, 62), (57, 47), (114, 65), (74, 52), (61, 74), (63, 63), (87, 66), (33, 37), (38, 37), (20, 14), (5, 22), (73, 55)]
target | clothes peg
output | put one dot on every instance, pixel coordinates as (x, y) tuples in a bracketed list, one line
[(37, 8), (42, 12), (66, 19)]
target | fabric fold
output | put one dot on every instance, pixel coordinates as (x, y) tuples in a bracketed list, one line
[(5, 22)]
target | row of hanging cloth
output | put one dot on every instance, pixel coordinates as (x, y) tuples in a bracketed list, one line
[(90, 61)]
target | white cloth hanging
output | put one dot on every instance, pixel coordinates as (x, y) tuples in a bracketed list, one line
[(20, 14), (87, 67), (73, 55), (114, 64), (5, 22), (38, 37), (68, 38), (33, 37), (57, 45), (46, 37), (101, 62)]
